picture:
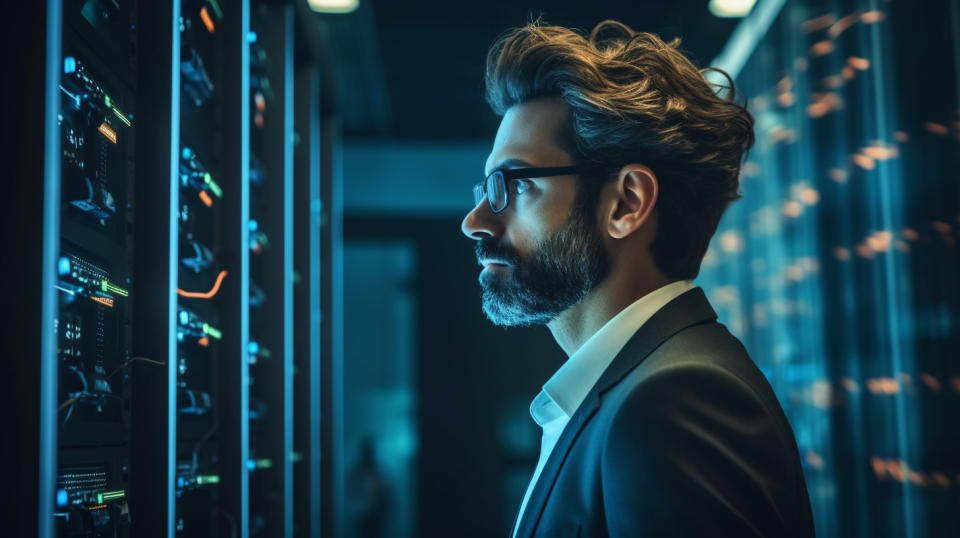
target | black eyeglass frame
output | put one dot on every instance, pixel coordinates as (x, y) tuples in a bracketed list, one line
[(481, 190)]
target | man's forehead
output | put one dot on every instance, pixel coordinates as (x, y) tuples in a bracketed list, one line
[(529, 133)]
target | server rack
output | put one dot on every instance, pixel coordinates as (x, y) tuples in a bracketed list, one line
[(140, 416)]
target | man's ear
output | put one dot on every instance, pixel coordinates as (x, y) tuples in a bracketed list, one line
[(634, 196)]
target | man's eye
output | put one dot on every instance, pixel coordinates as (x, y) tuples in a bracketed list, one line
[(519, 185)]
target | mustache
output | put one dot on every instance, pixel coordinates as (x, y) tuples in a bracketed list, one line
[(490, 249)]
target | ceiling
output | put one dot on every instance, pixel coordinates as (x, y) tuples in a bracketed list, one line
[(414, 70)]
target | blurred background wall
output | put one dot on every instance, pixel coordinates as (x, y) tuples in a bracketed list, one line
[(838, 268)]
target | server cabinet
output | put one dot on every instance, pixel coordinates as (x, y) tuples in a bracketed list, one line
[(155, 355)]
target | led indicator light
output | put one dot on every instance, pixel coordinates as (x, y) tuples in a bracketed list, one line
[(108, 132), (205, 17), (63, 265), (184, 317), (62, 497), (123, 118)]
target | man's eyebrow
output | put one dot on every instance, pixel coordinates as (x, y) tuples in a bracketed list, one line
[(511, 163)]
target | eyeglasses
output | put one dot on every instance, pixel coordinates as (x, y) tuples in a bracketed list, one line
[(494, 187)]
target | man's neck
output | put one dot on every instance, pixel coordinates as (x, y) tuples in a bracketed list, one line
[(575, 325)]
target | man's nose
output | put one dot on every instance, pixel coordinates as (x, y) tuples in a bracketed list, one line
[(481, 222)]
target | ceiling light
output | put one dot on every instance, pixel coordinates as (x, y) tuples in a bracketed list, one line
[(727, 8), (334, 6)]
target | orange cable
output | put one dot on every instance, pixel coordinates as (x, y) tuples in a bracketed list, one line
[(204, 295)]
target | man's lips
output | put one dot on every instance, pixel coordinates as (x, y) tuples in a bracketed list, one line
[(489, 262)]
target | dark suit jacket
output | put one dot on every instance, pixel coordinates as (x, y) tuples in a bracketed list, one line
[(681, 436)]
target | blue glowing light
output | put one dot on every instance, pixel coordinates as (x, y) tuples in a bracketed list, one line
[(253, 225), (253, 348), (184, 317), (69, 64), (251, 37), (63, 265), (186, 153), (62, 497)]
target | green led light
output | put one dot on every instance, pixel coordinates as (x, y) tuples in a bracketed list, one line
[(108, 287), (111, 495), (207, 329), (99, 498), (208, 179), (106, 99), (122, 116), (208, 479), (264, 463), (216, 8), (296, 457)]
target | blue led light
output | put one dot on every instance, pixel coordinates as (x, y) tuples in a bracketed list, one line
[(184, 317), (253, 225), (69, 64), (251, 465), (186, 153), (63, 265), (251, 37), (62, 497), (253, 348)]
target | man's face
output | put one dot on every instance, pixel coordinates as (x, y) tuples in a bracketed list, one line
[(544, 252)]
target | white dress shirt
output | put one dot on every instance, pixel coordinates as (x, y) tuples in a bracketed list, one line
[(564, 392)]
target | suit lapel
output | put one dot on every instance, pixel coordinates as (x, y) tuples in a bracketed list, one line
[(689, 308)]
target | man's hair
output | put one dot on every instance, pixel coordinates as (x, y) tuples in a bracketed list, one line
[(634, 98)]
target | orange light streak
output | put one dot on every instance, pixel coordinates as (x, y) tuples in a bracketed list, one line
[(871, 17), (102, 300), (935, 128), (860, 64), (931, 382), (843, 25), (108, 132), (821, 48), (205, 198), (207, 21), (204, 295), (819, 23), (205, 341)]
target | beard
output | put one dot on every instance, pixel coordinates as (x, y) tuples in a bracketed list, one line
[(562, 269)]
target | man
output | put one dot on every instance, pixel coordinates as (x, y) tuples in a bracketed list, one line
[(612, 165)]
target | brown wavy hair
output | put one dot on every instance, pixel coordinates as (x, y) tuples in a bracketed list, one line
[(634, 98)]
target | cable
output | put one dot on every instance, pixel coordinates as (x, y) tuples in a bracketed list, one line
[(124, 365), (204, 295)]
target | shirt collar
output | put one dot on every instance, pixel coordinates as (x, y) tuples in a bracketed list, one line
[(573, 381)]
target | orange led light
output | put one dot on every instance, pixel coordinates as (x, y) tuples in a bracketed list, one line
[(205, 341), (259, 101), (204, 295), (97, 507), (108, 132), (205, 17), (258, 120), (842, 25), (935, 128), (819, 23), (821, 48), (205, 198), (102, 300), (870, 17)]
